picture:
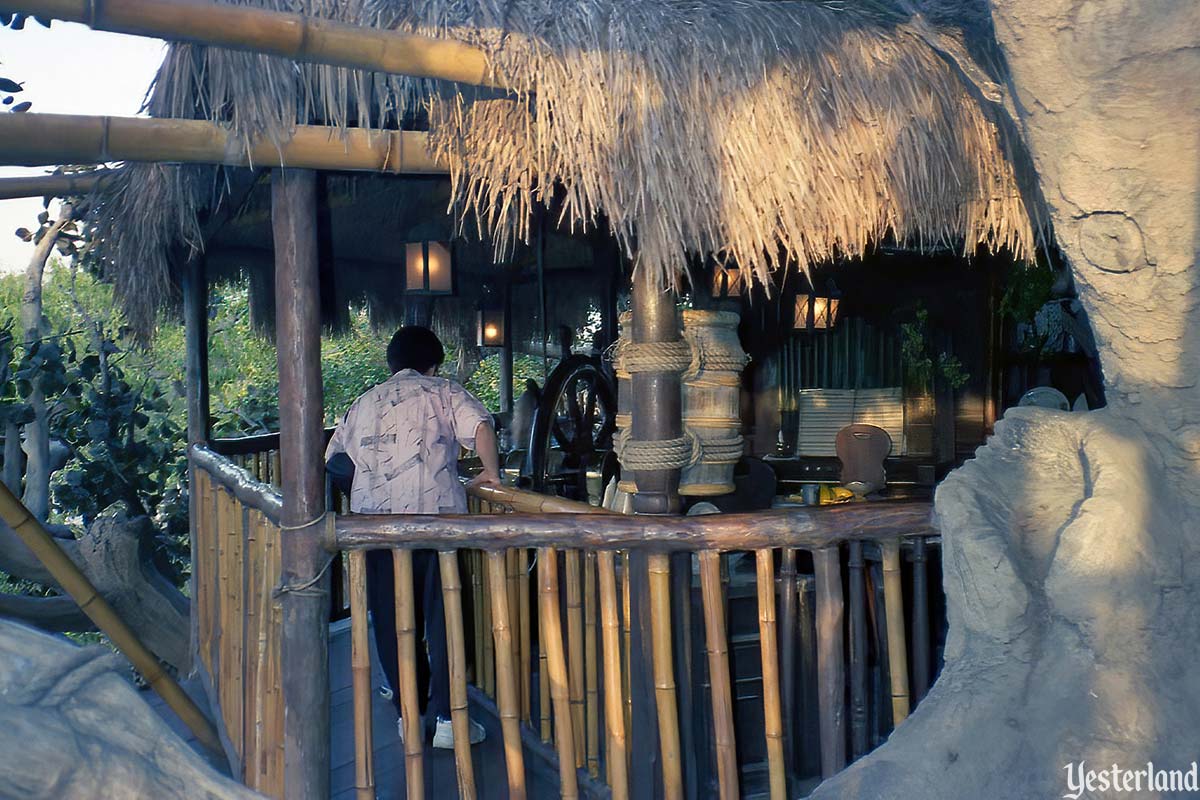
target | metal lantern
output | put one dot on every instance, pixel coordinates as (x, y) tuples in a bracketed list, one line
[(491, 325), (429, 268), (818, 311), (728, 282)]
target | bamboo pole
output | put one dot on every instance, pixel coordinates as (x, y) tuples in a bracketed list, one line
[(475, 579), (858, 651), (360, 679), (591, 690), (544, 726), (830, 669), (406, 649), (922, 672), (276, 33), (575, 649), (52, 185), (614, 716), (511, 580), (251, 639), (506, 682), (787, 653), (893, 603), (67, 575), (456, 651), (526, 639), (47, 139), (772, 715), (659, 573), (718, 669), (551, 626), (627, 632)]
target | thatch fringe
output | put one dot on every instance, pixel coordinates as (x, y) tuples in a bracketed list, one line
[(768, 133)]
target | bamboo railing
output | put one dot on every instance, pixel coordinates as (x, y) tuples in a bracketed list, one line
[(558, 662), (235, 572)]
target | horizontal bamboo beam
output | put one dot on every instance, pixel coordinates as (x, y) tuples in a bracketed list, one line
[(806, 528), (52, 185), (276, 33), (38, 140), (249, 492), (92, 603), (532, 502)]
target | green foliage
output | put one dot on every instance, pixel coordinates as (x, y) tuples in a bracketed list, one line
[(922, 362), (1027, 291), (485, 382)]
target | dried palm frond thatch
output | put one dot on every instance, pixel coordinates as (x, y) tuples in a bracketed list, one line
[(764, 132)]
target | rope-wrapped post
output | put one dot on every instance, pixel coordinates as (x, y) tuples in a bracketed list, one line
[(655, 450)]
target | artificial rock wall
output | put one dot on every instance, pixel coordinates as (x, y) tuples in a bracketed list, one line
[(1071, 566)]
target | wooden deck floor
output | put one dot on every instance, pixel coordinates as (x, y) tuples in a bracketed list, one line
[(491, 780)]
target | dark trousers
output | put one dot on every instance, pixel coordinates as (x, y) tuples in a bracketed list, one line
[(433, 671)]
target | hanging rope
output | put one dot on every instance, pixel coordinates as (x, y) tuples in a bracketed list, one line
[(661, 454)]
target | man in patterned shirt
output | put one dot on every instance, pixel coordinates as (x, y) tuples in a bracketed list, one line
[(403, 438)]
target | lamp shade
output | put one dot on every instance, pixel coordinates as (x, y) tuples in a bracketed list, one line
[(491, 327), (817, 311), (728, 282)]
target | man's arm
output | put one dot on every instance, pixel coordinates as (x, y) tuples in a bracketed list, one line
[(489, 453)]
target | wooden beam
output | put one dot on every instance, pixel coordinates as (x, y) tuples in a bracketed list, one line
[(35, 140), (52, 185), (305, 635), (276, 33), (798, 527)]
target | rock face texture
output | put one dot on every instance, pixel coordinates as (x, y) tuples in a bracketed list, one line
[(75, 728), (1071, 540), (1073, 632)]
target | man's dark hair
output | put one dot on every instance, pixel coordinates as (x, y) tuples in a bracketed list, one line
[(414, 347)]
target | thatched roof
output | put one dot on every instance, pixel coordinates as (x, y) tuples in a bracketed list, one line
[(766, 132)]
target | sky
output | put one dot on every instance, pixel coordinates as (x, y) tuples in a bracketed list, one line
[(68, 69)]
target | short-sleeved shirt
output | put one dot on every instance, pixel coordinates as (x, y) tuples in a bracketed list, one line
[(403, 437)]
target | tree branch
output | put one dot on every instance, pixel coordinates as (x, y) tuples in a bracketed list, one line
[(58, 614)]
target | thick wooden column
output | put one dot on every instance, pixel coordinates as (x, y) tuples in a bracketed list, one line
[(657, 416), (506, 354), (305, 644), (195, 377)]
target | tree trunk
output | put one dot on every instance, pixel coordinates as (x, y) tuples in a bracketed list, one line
[(109, 554), (37, 433), (12, 458)]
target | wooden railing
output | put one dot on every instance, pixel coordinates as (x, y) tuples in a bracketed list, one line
[(235, 572), (579, 670), (567, 672)]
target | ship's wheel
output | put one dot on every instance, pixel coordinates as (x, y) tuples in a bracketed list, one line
[(573, 429)]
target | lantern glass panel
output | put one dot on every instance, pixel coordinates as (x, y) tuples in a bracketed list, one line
[(802, 309), (439, 269), (491, 327), (727, 282), (414, 266), (820, 315)]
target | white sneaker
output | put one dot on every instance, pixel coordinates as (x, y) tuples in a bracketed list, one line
[(443, 735), (400, 726)]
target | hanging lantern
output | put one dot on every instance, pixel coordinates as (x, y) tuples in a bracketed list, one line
[(818, 311), (491, 326), (429, 268), (727, 282)]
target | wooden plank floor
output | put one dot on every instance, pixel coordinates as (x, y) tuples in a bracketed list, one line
[(491, 779)]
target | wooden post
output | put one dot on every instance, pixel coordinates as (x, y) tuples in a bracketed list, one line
[(574, 606), (506, 356), (830, 669), (590, 670), (657, 416), (893, 602), (195, 324), (305, 636), (526, 635), (858, 652), (614, 712), (922, 673), (772, 718), (718, 668), (506, 679)]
